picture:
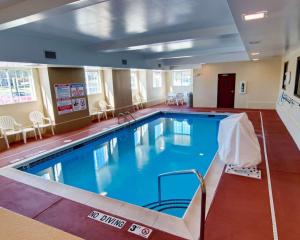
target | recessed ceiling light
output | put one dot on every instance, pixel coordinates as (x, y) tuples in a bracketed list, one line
[(255, 59), (255, 53), (255, 16)]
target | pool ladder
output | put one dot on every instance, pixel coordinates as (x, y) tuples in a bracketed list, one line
[(162, 205), (125, 116)]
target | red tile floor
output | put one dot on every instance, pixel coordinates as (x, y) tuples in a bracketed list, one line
[(240, 209)]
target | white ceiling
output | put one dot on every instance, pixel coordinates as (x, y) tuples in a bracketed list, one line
[(277, 33), (170, 32), (7, 3)]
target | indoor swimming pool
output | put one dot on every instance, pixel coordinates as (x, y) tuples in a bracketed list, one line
[(124, 164)]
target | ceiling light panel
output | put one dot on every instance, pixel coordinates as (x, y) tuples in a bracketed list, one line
[(255, 16)]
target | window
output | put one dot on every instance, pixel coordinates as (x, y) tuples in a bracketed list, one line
[(182, 78), (297, 80), (157, 79), (16, 86), (93, 82), (134, 79), (284, 77)]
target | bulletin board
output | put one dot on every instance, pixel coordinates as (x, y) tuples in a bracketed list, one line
[(70, 97)]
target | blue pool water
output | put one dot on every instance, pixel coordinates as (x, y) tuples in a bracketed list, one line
[(125, 164)]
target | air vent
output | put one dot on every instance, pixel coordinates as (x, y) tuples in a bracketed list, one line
[(50, 54), (124, 61), (254, 42), (159, 65)]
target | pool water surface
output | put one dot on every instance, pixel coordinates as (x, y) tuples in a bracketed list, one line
[(124, 164)]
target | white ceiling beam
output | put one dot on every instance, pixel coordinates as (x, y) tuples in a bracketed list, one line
[(214, 58), (207, 33), (34, 10), (195, 52)]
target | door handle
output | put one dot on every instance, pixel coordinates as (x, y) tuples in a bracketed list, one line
[(232, 91)]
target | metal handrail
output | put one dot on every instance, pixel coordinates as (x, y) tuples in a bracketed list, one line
[(125, 114), (203, 193), (129, 113), (119, 115)]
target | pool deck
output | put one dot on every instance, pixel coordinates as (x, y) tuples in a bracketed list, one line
[(240, 210)]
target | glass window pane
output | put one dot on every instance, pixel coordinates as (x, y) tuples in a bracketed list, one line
[(134, 79), (5, 90), (16, 85), (93, 82), (157, 79), (182, 78)]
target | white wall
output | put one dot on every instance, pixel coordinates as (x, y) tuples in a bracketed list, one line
[(155, 95), (20, 47), (262, 79), (290, 114)]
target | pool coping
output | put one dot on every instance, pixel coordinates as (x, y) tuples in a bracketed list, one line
[(186, 227)]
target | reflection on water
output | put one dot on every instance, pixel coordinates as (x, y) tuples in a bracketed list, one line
[(125, 164)]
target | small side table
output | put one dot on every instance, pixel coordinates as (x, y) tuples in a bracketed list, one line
[(25, 131)]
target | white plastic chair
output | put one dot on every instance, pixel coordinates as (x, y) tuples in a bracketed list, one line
[(9, 127), (139, 102), (179, 98), (106, 108), (171, 99), (39, 121)]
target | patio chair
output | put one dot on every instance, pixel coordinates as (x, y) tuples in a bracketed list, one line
[(98, 114), (171, 99), (106, 108), (39, 121), (9, 127), (138, 102), (179, 99)]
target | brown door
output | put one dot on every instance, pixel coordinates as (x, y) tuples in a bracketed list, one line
[(226, 88)]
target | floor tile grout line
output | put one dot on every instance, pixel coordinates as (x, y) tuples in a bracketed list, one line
[(272, 207), (55, 203)]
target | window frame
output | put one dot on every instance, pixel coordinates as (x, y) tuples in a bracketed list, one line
[(14, 86), (99, 86), (297, 80), (155, 83), (174, 72)]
